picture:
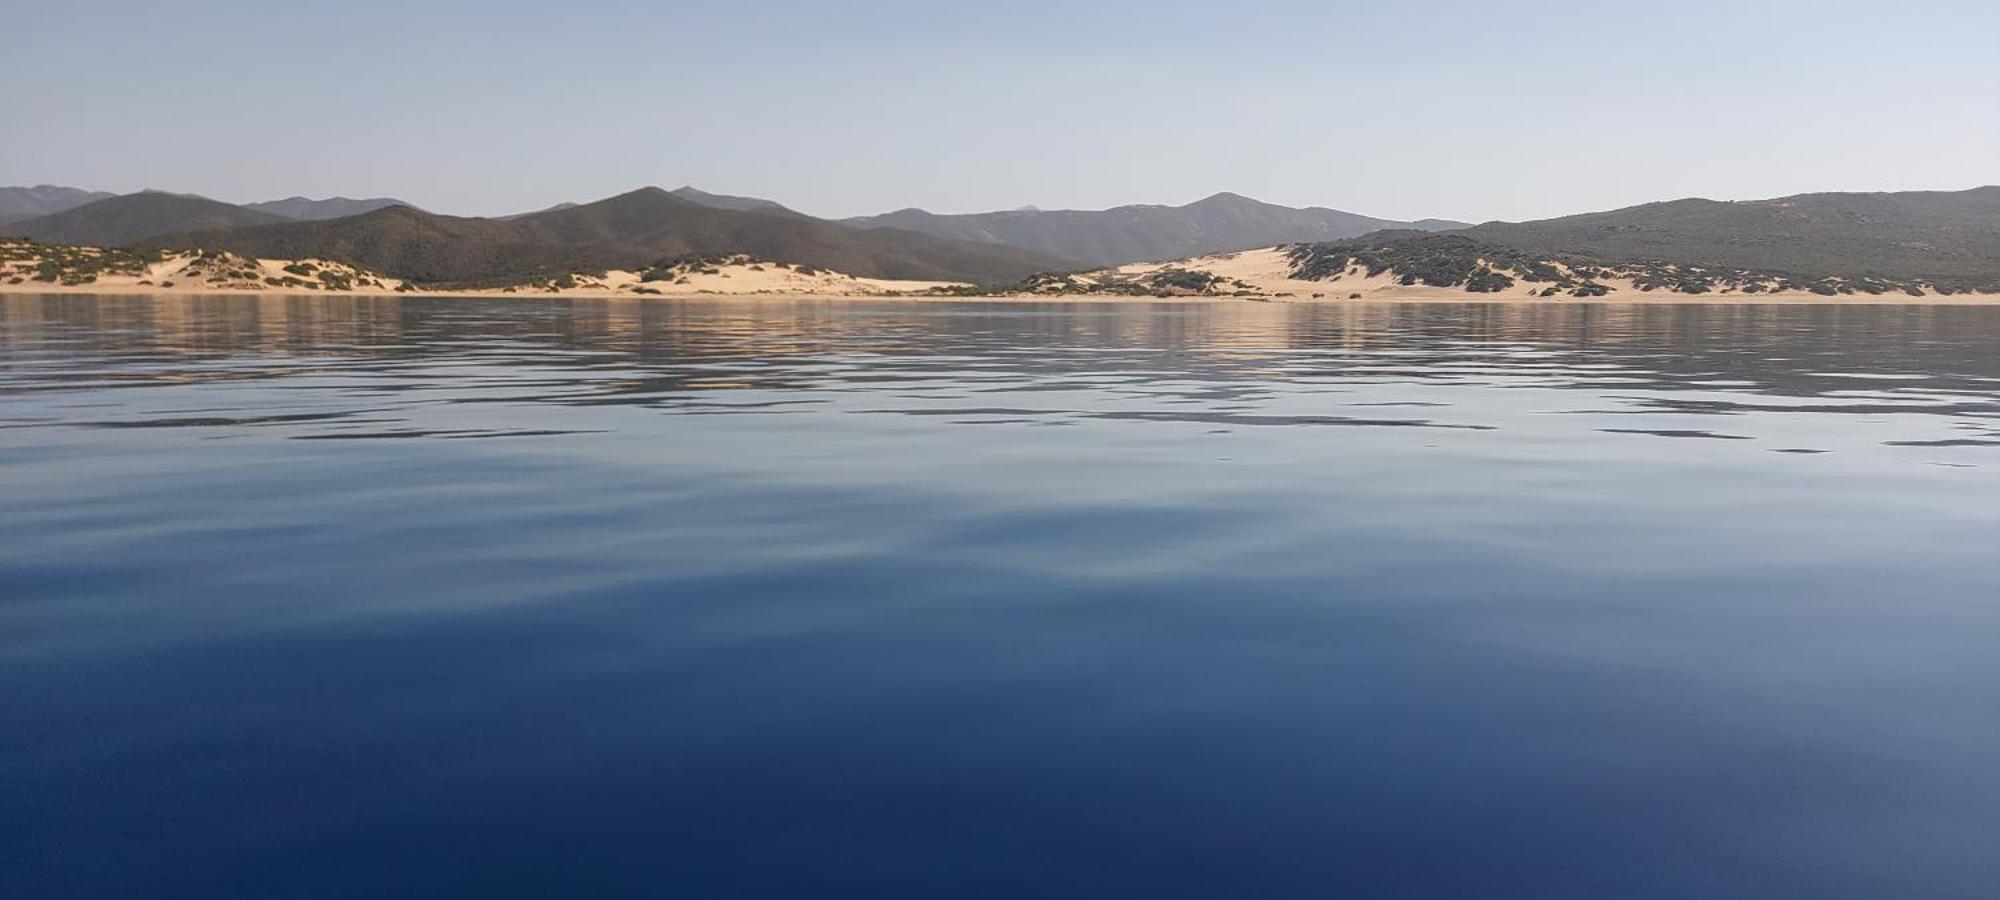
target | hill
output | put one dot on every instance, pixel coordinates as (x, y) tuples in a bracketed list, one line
[(1221, 223), (725, 201), (1414, 265), (1951, 238), (522, 215), (131, 218), (691, 193), (21, 203), (635, 230), (308, 210)]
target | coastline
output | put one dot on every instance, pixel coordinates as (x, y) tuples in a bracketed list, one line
[(1266, 275), (1392, 295)]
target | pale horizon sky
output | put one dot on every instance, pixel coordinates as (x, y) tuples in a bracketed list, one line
[(1460, 110)]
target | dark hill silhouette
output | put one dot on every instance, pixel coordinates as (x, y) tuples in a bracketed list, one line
[(1947, 238), (306, 209), (725, 201), (22, 203), (1224, 222), (128, 219), (690, 192), (1950, 237), (630, 231), (563, 205)]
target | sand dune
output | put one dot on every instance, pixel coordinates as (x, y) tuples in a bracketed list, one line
[(1266, 275), (1270, 274), (36, 268)]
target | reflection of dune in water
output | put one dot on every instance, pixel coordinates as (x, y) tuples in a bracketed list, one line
[(1228, 364)]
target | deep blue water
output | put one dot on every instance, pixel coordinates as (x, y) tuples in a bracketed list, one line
[(338, 598)]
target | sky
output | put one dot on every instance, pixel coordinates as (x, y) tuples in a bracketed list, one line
[(1472, 111)]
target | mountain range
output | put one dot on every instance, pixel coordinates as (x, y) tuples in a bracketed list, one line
[(20, 203), (308, 210), (634, 230), (1132, 233), (724, 201), (1949, 238), (130, 218), (642, 227)]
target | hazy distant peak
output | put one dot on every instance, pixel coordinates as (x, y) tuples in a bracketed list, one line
[(632, 230), (725, 201), (1947, 237), (1439, 224), (1221, 222), (309, 210), (17, 203), (300, 198), (566, 204), (122, 220)]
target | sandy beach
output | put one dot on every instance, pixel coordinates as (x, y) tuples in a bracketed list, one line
[(1398, 295), (1251, 276)]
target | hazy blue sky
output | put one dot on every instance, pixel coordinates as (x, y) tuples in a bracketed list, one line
[(1465, 110)]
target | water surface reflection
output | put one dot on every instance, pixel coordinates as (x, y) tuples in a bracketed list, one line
[(327, 597)]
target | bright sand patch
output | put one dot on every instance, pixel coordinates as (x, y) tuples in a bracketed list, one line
[(741, 276), (1268, 272), (1262, 275), (228, 273)]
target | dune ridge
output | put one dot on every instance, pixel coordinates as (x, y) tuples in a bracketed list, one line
[(1272, 274)]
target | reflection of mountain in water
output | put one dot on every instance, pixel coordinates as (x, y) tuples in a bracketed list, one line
[(1215, 364)]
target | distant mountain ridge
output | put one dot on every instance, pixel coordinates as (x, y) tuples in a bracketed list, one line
[(1220, 223), (130, 218), (1077, 238), (1948, 237), (19, 203), (522, 215), (305, 209), (725, 201), (689, 193), (630, 231)]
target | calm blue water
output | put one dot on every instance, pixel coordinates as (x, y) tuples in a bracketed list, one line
[(337, 598)]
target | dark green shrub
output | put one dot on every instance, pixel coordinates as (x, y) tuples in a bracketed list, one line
[(1175, 279), (1483, 281)]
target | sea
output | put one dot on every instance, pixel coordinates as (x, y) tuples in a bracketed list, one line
[(326, 597)]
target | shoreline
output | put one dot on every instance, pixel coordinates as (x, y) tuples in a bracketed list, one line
[(1412, 295), (1266, 275)]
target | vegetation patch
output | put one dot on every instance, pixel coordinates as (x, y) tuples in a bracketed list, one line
[(25, 259), (1171, 281), (1437, 260), (1182, 281), (1458, 261)]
